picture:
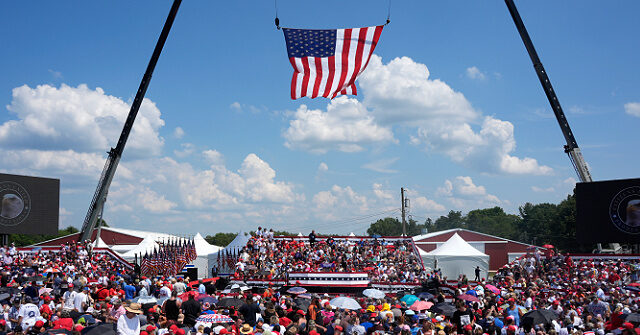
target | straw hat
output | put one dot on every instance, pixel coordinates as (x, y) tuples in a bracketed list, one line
[(134, 308), (246, 329)]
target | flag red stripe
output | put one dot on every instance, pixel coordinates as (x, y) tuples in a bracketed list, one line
[(293, 79), (356, 69), (316, 85), (305, 79), (374, 42), (332, 72), (345, 60)]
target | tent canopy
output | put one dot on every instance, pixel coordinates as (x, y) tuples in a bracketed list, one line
[(146, 246), (203, 247), (455, 257)]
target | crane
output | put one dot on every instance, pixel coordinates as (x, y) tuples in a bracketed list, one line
[(100, 196), (571, 148)]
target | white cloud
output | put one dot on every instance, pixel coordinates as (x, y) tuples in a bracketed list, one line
[(632, 108), (335, 203), (178, 132), (382, 165), (187, 149), (401, 92), (241, 108), (475, 73), (55, 74), (323, 167), (80, 119), (463, 192), (214, 157), (422, 203), (542, 190), (345, 126), (381, 193)]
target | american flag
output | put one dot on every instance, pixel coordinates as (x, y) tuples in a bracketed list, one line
[(327, 62)]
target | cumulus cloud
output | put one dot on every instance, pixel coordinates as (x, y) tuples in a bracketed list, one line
[(464, 193), (78, 119), (345, 126), (475, 73), (402, 92), (178, 132), (632, 108), (333, 203), (428, 205), (213, 156), (187, 149), (381, 193), (323, 167)]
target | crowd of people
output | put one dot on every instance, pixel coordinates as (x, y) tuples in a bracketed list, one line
[(266, 257), (74, 290)]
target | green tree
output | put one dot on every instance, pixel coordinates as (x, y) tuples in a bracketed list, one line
[(453, 220), (22, 240), (221, 239), (386, 227), (493, 221)]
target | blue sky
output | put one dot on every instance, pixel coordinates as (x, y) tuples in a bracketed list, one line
[(449, 108)]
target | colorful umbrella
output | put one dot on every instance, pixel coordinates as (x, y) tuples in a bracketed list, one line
[(409, 299), (214, 318), (421, 305), (492, 288), (468, 297), (345, 303), (297, 290)]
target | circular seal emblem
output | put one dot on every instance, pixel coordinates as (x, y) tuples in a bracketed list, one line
[(624, 210), (16, 203)]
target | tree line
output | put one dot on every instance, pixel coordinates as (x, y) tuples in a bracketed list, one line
[(537, 224)]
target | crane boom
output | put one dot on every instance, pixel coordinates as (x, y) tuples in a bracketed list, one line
[(571, 148), (109, 170)]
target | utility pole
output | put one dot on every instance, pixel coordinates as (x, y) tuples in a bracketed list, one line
[(404, 222)]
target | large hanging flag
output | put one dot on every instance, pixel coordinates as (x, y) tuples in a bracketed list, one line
[(327, 62)]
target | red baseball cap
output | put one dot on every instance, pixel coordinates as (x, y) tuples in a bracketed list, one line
[(467, 327), (39, 324), (224, 331), (151, 328), (512, 328), (180, 331)]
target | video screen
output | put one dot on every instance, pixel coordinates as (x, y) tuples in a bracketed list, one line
[(29, 205), (608, 211)]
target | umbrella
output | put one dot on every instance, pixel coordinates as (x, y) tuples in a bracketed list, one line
[(52, 270), (162, 300), (409, 299), (58, 331), (443, 308), (425, 295), (345, 303), (44, 290), (634, 284), (4, 296), (228, 302), (421, 305), (632, 288), (303, 304), (145, 299), (539, 316), (304, 295), (297, 290), (207, 299), (373, 293), (214, 318), (376, 236), (468, 297), (101, 329), (633, 317), (548, 246), (492, 288)]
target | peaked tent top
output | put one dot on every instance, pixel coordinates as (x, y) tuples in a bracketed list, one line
[(147, 245), (203, 247), (456, 246)]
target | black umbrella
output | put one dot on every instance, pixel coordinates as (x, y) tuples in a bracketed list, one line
[(4, 296), (425, 295), (539, 316), (444, 308), (633, 317), (58, 331), (101, 329), (228, 302), (9, 290), (302, 303)]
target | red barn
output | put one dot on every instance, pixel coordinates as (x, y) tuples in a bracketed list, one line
[(500, 250)]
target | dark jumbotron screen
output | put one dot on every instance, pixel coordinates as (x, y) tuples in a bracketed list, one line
[(29, 205), (608, 211)]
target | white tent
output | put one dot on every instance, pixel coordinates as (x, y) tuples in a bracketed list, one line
[(203, 250), (99, 243), (233, 248), (455, 257), (145, 246)]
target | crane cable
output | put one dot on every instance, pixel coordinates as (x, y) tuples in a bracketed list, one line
[(277, 20)]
